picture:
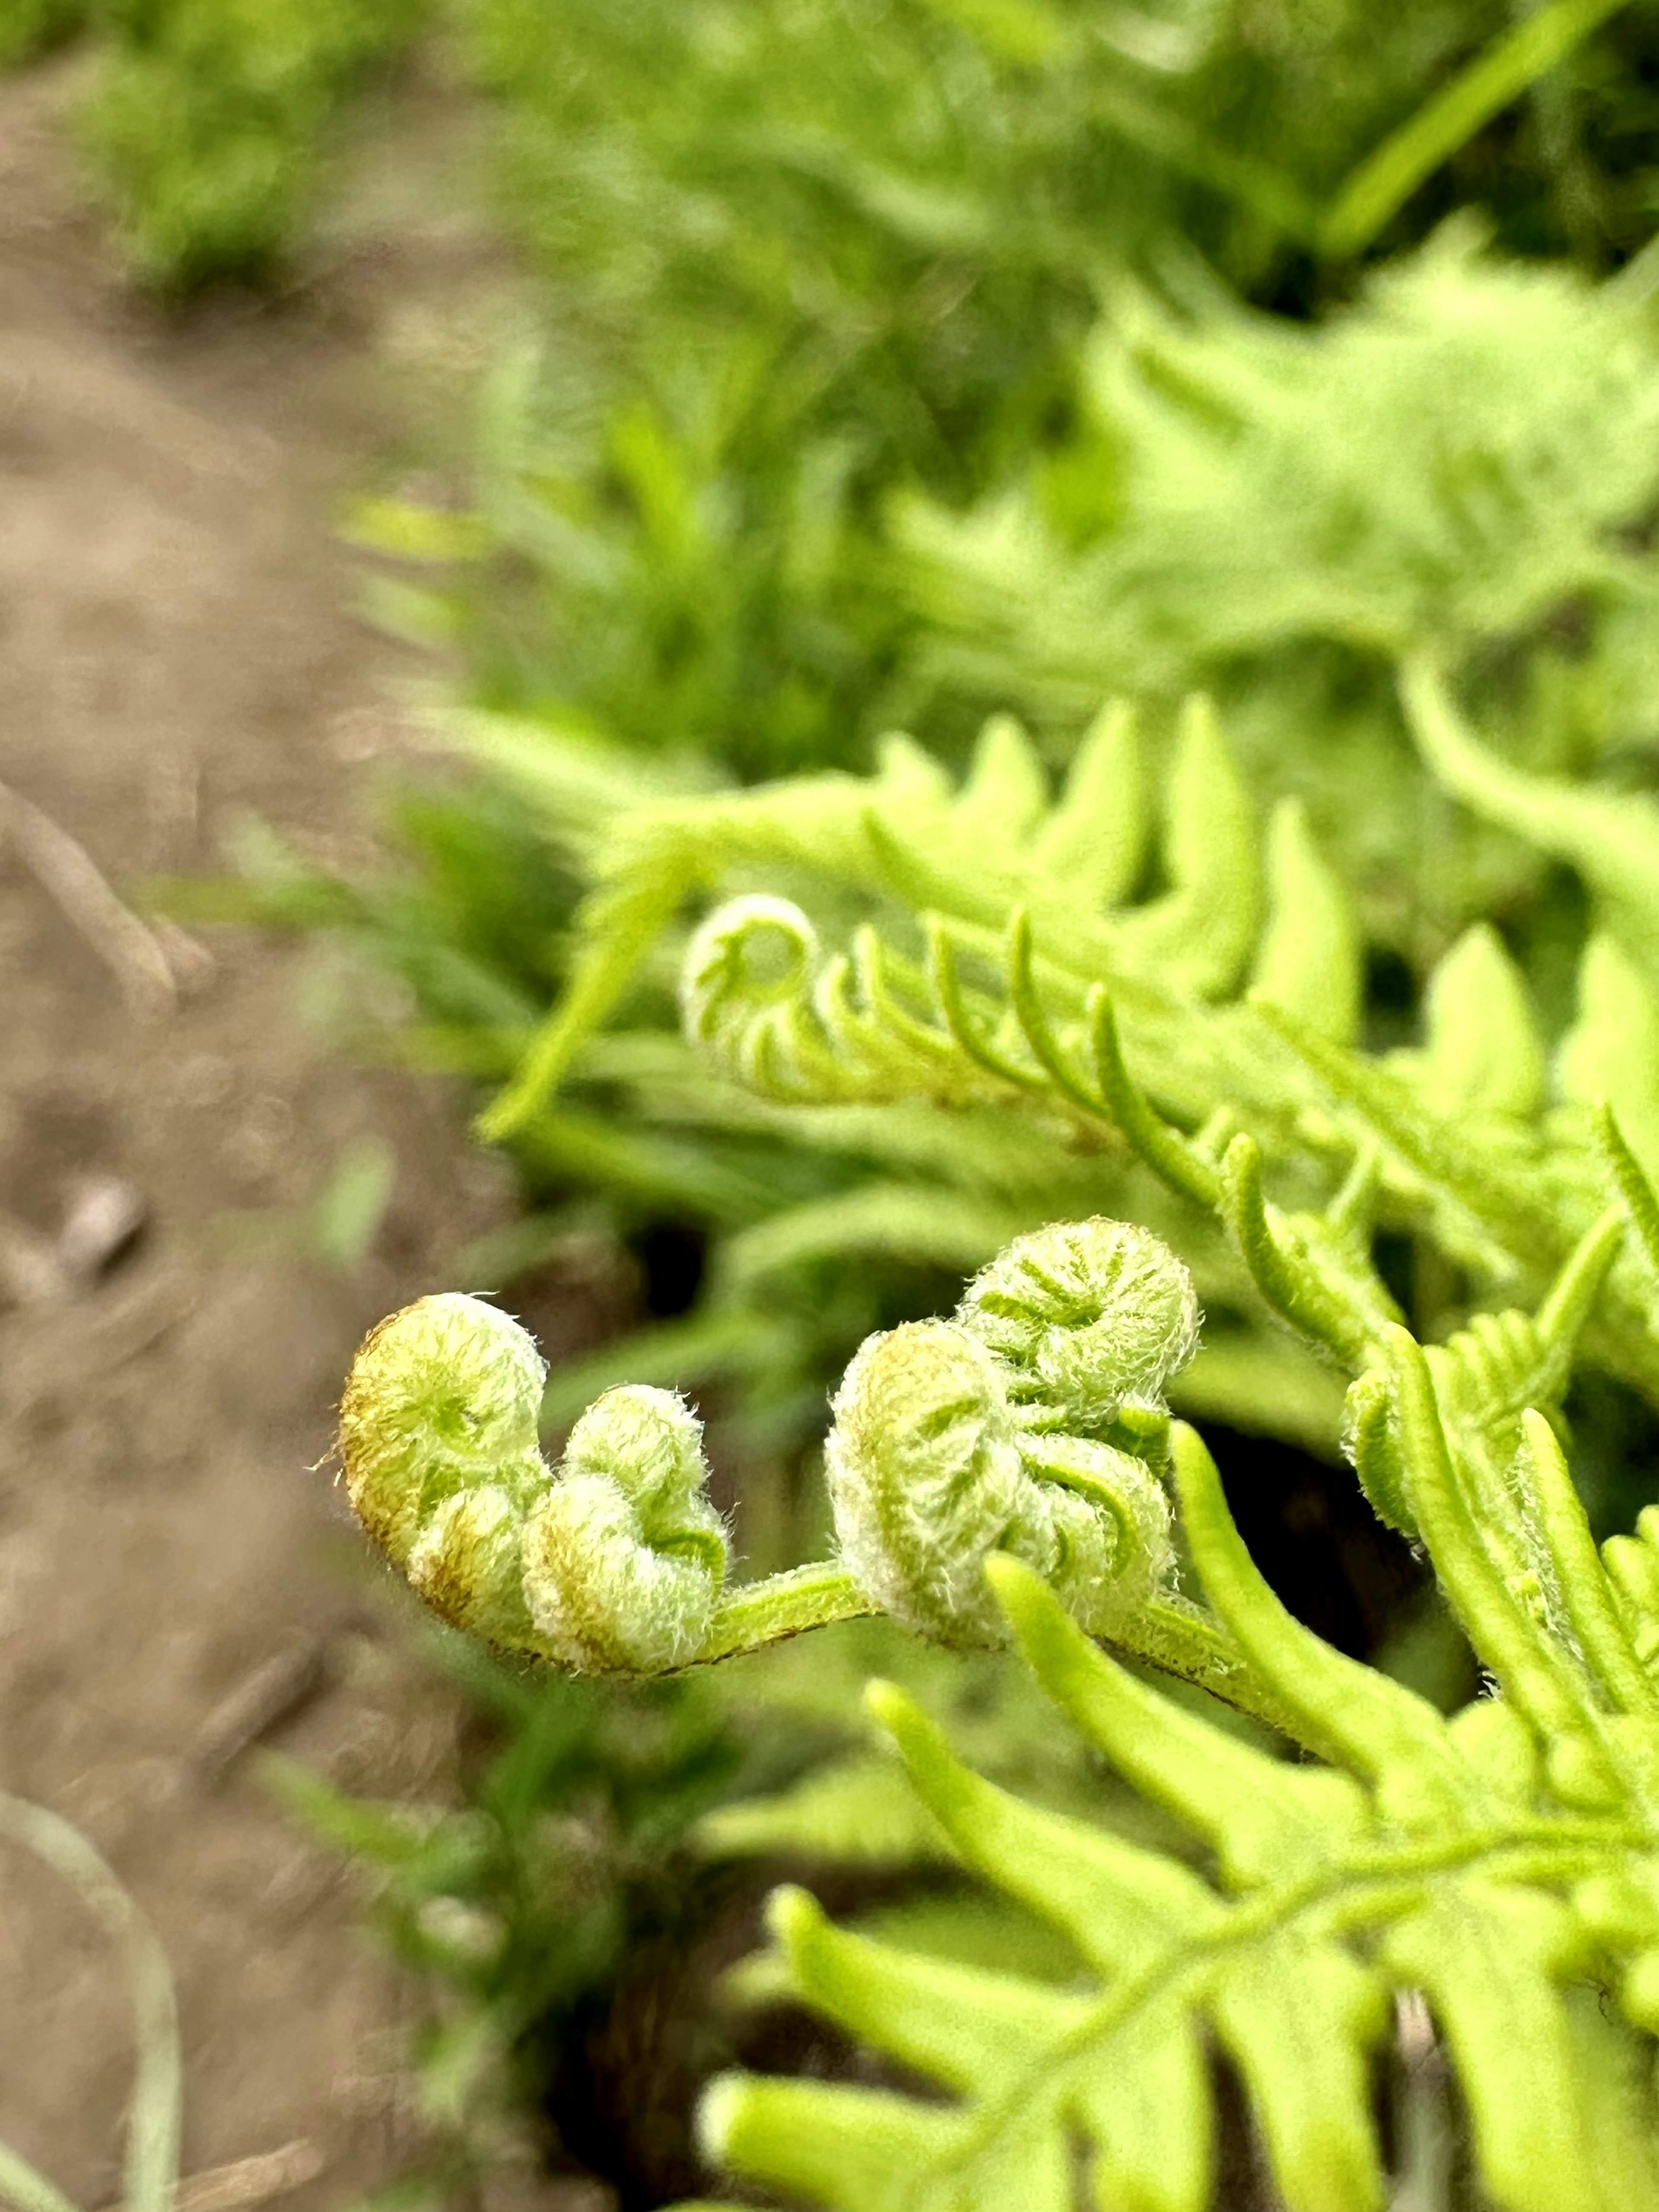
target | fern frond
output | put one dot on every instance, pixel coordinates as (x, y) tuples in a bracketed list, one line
[(904, 841), (1248, 542), (1496, 1863), (1255, 513), (981, 924)]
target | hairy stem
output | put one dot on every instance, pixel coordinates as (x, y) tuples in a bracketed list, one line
[(782, 1606)]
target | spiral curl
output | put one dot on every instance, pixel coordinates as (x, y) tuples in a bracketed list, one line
[(1033, 1423), (745, 986), (612, 1565), (1089, 1317), (926, 1480), (624, 1557), (771, 1012)]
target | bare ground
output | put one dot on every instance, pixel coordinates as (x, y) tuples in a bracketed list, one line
[(174, 649)]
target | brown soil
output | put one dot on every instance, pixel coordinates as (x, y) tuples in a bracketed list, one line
[(174, 651)]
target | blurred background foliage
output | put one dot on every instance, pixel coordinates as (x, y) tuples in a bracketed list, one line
[(896, 363)]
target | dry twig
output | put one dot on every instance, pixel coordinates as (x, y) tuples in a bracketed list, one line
[(277, 1687), (248, 2181), (68, 873)]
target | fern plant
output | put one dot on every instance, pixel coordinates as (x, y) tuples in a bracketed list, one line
[(1502, 558), (205, 121), (1221, 519), (610, 1837), (977, 922), (1013, 1473)]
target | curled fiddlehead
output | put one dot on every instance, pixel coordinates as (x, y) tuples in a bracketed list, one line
[(624, 1557), (1093, 1317), (771, 1012), (926, 1479), (931, 1469), (1034, 1422), (612, 1564)]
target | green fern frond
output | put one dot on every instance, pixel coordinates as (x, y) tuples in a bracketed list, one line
[(1006, 1471), (1501, 1865), (904, 840), (1248, 542), (1481, 1052), (982, 926), (1516, 407)]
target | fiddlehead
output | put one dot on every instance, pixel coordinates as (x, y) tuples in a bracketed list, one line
[(612, 1564), (1033, 1422), (771, 1013), (1092, 1317), (625, 1556), (926, 1480), (1501, 1864), (932, 1467), (442, 1402)]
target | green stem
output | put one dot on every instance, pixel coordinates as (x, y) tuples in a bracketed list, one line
[(1352, 1213), (25, 2187), (767, 1612), (601, 973), (1174, 1637), (1387, 178), (150, 2170)]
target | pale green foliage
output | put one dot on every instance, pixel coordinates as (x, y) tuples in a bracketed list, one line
[(907, 839), (1092, 1318), (1611, 837), (1434, 1858), (1481, 1049), (1501, 1865), (1492, 1863), (443, 1399), (1460, 461), (1517, 409), (998, 958)]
